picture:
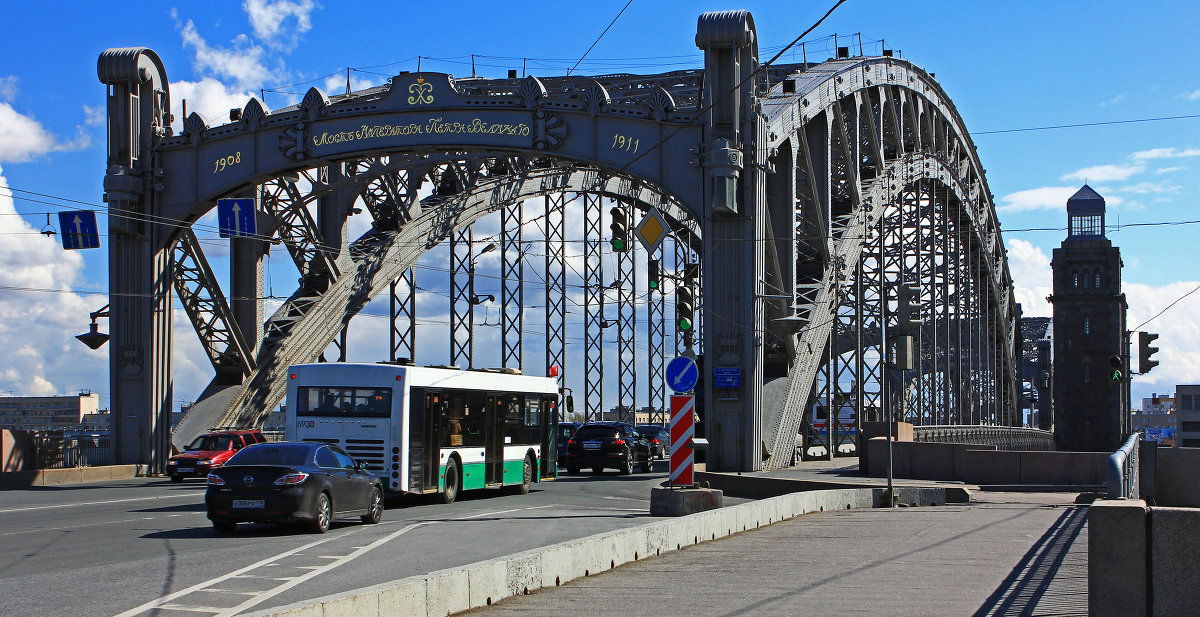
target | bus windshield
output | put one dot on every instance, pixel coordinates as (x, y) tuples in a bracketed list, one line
[(342, 401)]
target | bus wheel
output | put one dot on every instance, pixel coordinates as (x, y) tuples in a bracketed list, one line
[(526, 477), (450, 493)]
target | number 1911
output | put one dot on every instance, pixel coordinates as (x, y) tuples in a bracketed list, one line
[(628, 144)]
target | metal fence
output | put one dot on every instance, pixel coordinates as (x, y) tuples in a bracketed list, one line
[(66, 451), (1003, 437)]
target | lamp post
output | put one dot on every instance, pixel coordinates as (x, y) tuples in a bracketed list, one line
[(475, 300)]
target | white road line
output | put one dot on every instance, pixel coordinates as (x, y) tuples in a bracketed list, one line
[(266, 595), (72, 527), (463, 518), (236, 573), (100, 503)]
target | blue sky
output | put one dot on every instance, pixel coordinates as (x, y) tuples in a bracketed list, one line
[(1010, 65)]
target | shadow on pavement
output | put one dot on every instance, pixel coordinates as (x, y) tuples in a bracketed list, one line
[(1026, 585)]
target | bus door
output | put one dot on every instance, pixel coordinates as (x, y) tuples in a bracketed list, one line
[(549, 438), (427, 408), (494, 435)]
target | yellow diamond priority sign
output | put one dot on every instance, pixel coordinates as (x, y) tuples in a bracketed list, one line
[(652, 230)]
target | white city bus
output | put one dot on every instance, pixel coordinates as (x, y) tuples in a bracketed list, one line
[(429, 430)]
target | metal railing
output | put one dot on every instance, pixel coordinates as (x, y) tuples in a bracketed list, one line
[(67, 451), (1003, 437), (1123, 477)]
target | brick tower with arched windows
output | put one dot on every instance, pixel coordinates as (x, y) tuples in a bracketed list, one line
[(1091, 355)]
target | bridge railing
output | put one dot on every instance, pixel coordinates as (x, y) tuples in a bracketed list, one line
[(1123, 476), (67, 451), (1003, 437)]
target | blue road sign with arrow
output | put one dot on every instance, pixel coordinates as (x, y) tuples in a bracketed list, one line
[(235, 217), (682, 374), (79, 229)]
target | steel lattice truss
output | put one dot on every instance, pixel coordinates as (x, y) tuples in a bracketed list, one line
[(856, 175)]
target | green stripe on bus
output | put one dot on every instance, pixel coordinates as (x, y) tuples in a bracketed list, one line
[(475, 475)]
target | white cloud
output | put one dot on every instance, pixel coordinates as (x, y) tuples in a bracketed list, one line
[(1166, 170), (1164, 153), (336, 84), (1147, 188), (1191, 96), (8, 88), (1113, 101), (39, 327), (242, 63), (1032, 278), (1178, 329), (94, 115), (1104, 173), (23, 139), (207, 97), (280, 23), (1042, 198)]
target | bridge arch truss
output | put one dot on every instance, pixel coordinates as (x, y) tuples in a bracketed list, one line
[(835, 182)]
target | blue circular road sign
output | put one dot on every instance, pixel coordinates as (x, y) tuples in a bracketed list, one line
[(682, 374)]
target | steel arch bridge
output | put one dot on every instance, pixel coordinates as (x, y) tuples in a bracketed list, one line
[(806, 195)]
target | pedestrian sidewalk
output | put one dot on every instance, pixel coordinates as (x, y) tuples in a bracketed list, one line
[(1001, 554)]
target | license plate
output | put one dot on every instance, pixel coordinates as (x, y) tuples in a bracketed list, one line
[(248, 503), (184, 470), (591, 445)]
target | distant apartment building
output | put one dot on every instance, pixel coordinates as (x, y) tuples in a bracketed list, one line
[(1187, 399), (40, 413), (1157, 419)]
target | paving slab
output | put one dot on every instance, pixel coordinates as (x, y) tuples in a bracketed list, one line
[(1002, 554)]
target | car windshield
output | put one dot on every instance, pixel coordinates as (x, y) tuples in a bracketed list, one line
[(288, 455), (596, 432), (211, 442)]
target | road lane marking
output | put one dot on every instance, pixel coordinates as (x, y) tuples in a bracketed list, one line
[(97, 503), (270, 593), (481, 515), (236, 573)]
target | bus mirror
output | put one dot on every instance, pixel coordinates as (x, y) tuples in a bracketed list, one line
[(570, 404)]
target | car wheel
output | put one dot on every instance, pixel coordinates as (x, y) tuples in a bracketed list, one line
[(177, 479), (526, 477), (450, 492), (573, 471), (375, 509), (627, 465), (646, 464), (323, 514), (224, 526)]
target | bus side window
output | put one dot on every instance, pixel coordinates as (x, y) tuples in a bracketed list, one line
[(473, 416)]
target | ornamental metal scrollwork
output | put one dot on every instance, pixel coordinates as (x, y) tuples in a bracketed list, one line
[(550, 130), (294, 141), (254, 116), (193, 126), (421, 91)]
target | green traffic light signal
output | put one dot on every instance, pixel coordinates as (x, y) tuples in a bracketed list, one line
[(620, 229), (1116, 375), (618, 244), (685, 324), (652, 273)]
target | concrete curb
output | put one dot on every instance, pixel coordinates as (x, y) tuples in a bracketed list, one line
[(484, 583)]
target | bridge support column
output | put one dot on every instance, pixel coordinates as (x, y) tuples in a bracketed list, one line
[(140, 288), (734, 238)]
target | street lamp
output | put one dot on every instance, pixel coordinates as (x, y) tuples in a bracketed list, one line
[(93, 337)]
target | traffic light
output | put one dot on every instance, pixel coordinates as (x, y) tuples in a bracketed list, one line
[(908, 309), (685, 308), (1145, 364), (1117, 365), (653, 274), (620, 229)]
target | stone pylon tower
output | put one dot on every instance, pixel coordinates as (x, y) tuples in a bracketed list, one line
[(1091, 350)]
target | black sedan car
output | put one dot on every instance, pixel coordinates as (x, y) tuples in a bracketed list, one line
[(310, 483), (659, 438), (607, 444)]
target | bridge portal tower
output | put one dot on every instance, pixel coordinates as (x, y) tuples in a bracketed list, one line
[(1091, 349)]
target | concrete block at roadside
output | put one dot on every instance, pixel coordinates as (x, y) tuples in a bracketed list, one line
[(447, 591), (1117, 558), (683, 501), (1175, 560), (487, 582)]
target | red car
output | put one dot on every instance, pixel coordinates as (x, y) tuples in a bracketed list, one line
[(209, 451)]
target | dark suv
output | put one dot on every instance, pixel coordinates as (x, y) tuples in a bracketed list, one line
[(601, 445), (209, 451), (659, 438)]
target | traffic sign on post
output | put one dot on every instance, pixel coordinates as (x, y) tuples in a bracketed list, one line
[(235, 217), (682, 374), (79, 229), (683, 428)]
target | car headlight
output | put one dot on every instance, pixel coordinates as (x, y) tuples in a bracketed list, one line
[(204, 461), (172, 462)]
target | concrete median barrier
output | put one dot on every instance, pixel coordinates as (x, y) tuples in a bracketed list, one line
[(484, 583)]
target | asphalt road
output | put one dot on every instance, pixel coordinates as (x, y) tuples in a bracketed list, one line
[(144, 546)]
